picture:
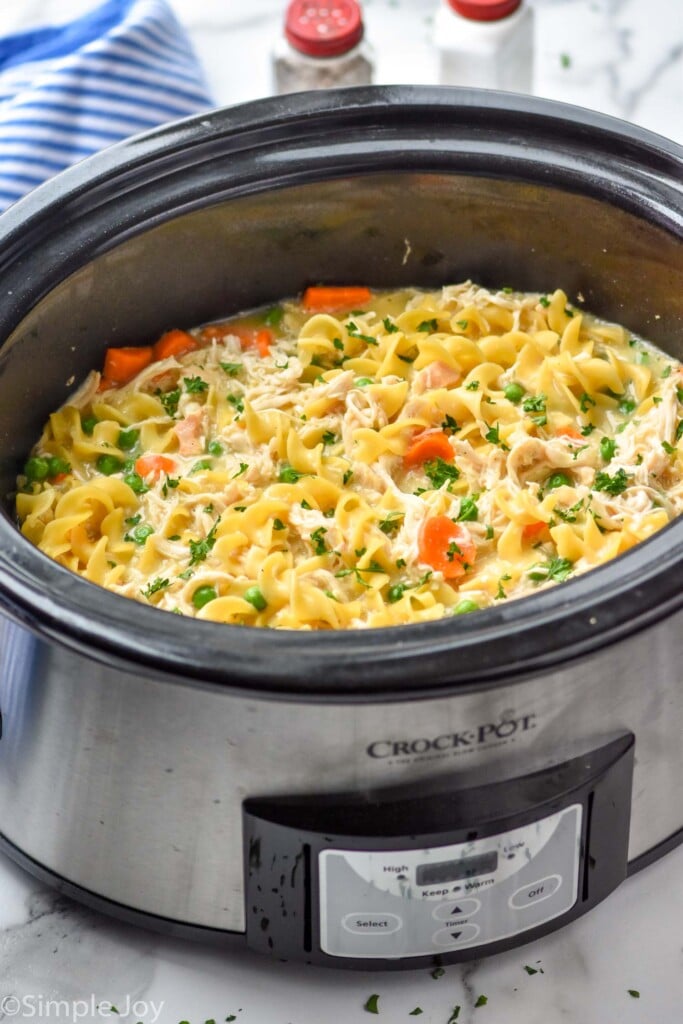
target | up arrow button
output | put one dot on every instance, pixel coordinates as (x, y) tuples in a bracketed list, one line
[(463, 908)]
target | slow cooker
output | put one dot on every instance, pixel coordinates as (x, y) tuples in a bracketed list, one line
[(388, 797)]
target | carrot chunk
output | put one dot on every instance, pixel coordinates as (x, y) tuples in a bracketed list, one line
[(329, 298), (431, 444), (174, 343), (532, 530), (446, 546), (154, 465), (122, 364)]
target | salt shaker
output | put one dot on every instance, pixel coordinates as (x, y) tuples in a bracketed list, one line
[(323, 47), (485, 44)]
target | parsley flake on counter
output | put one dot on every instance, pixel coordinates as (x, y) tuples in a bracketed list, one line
[(437, 973), (481, 1001), (417, 1012), (455, 1015), (371, 1004), (530, 970), (634, 993)]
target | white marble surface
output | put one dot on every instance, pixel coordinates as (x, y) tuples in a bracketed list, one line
[(59, 961)]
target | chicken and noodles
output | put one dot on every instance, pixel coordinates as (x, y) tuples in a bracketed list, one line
[(357, 459)]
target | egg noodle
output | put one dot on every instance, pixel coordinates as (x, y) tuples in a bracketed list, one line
[(395, 460)]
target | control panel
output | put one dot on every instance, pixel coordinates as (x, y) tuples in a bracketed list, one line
[(376, 904), (432, 871)]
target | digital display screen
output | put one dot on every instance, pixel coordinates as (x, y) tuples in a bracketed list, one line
[(455, 870)]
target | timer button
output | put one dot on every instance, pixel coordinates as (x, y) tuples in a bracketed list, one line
[(364, 923), (530, 895), (455, 909), (456, 935)]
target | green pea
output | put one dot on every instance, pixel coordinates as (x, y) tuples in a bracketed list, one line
[(128, 439), (254, 596), (465, 606), (558, 480), (88, 424), (139, 534), (514, 392), (214, 448), (203, 595), (37, 468), (57, 466), (136, 483), (109, 464), (395, 593)]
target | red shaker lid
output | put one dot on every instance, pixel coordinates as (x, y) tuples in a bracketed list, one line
[(485, 10), (324, 29)]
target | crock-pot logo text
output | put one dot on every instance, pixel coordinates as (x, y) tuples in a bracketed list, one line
[(507, 728)]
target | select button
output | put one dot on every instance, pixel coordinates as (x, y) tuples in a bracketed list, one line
[(371, 924)]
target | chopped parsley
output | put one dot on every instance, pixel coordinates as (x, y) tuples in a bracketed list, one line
[(585, 402), (195, 385), (329, 437), (668, 448), (679, 431), (155, 586), (469, 511), (558, 480), (587, 429), (615, 484), (372, 1004), (391, 524), (169, 483), (472, 386), (338, 344), (236, 401), (347, 476), (544, 301), (556, 569), (493, 435), (318, 541), (568, 515), (232, 369), (428, 326), (462, 324), (440, 472), (353, 332), (200, 549), (289, 475), (169, 400), (537, 403), (450, 425), (273, 316), (389, 326), (200, 466), (278, 525), (608, 447), (244, 466)]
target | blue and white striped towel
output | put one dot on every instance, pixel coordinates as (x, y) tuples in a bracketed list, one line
[(69, 90)]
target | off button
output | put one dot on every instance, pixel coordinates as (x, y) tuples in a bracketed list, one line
[(371, 924), (530, 895)]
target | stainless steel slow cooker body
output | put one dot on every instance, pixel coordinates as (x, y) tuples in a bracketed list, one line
[(137, 748)]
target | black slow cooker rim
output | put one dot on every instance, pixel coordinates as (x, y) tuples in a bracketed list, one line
[(465, 652)]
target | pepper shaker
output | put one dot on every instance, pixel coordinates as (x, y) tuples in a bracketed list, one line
[(323, 47)]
